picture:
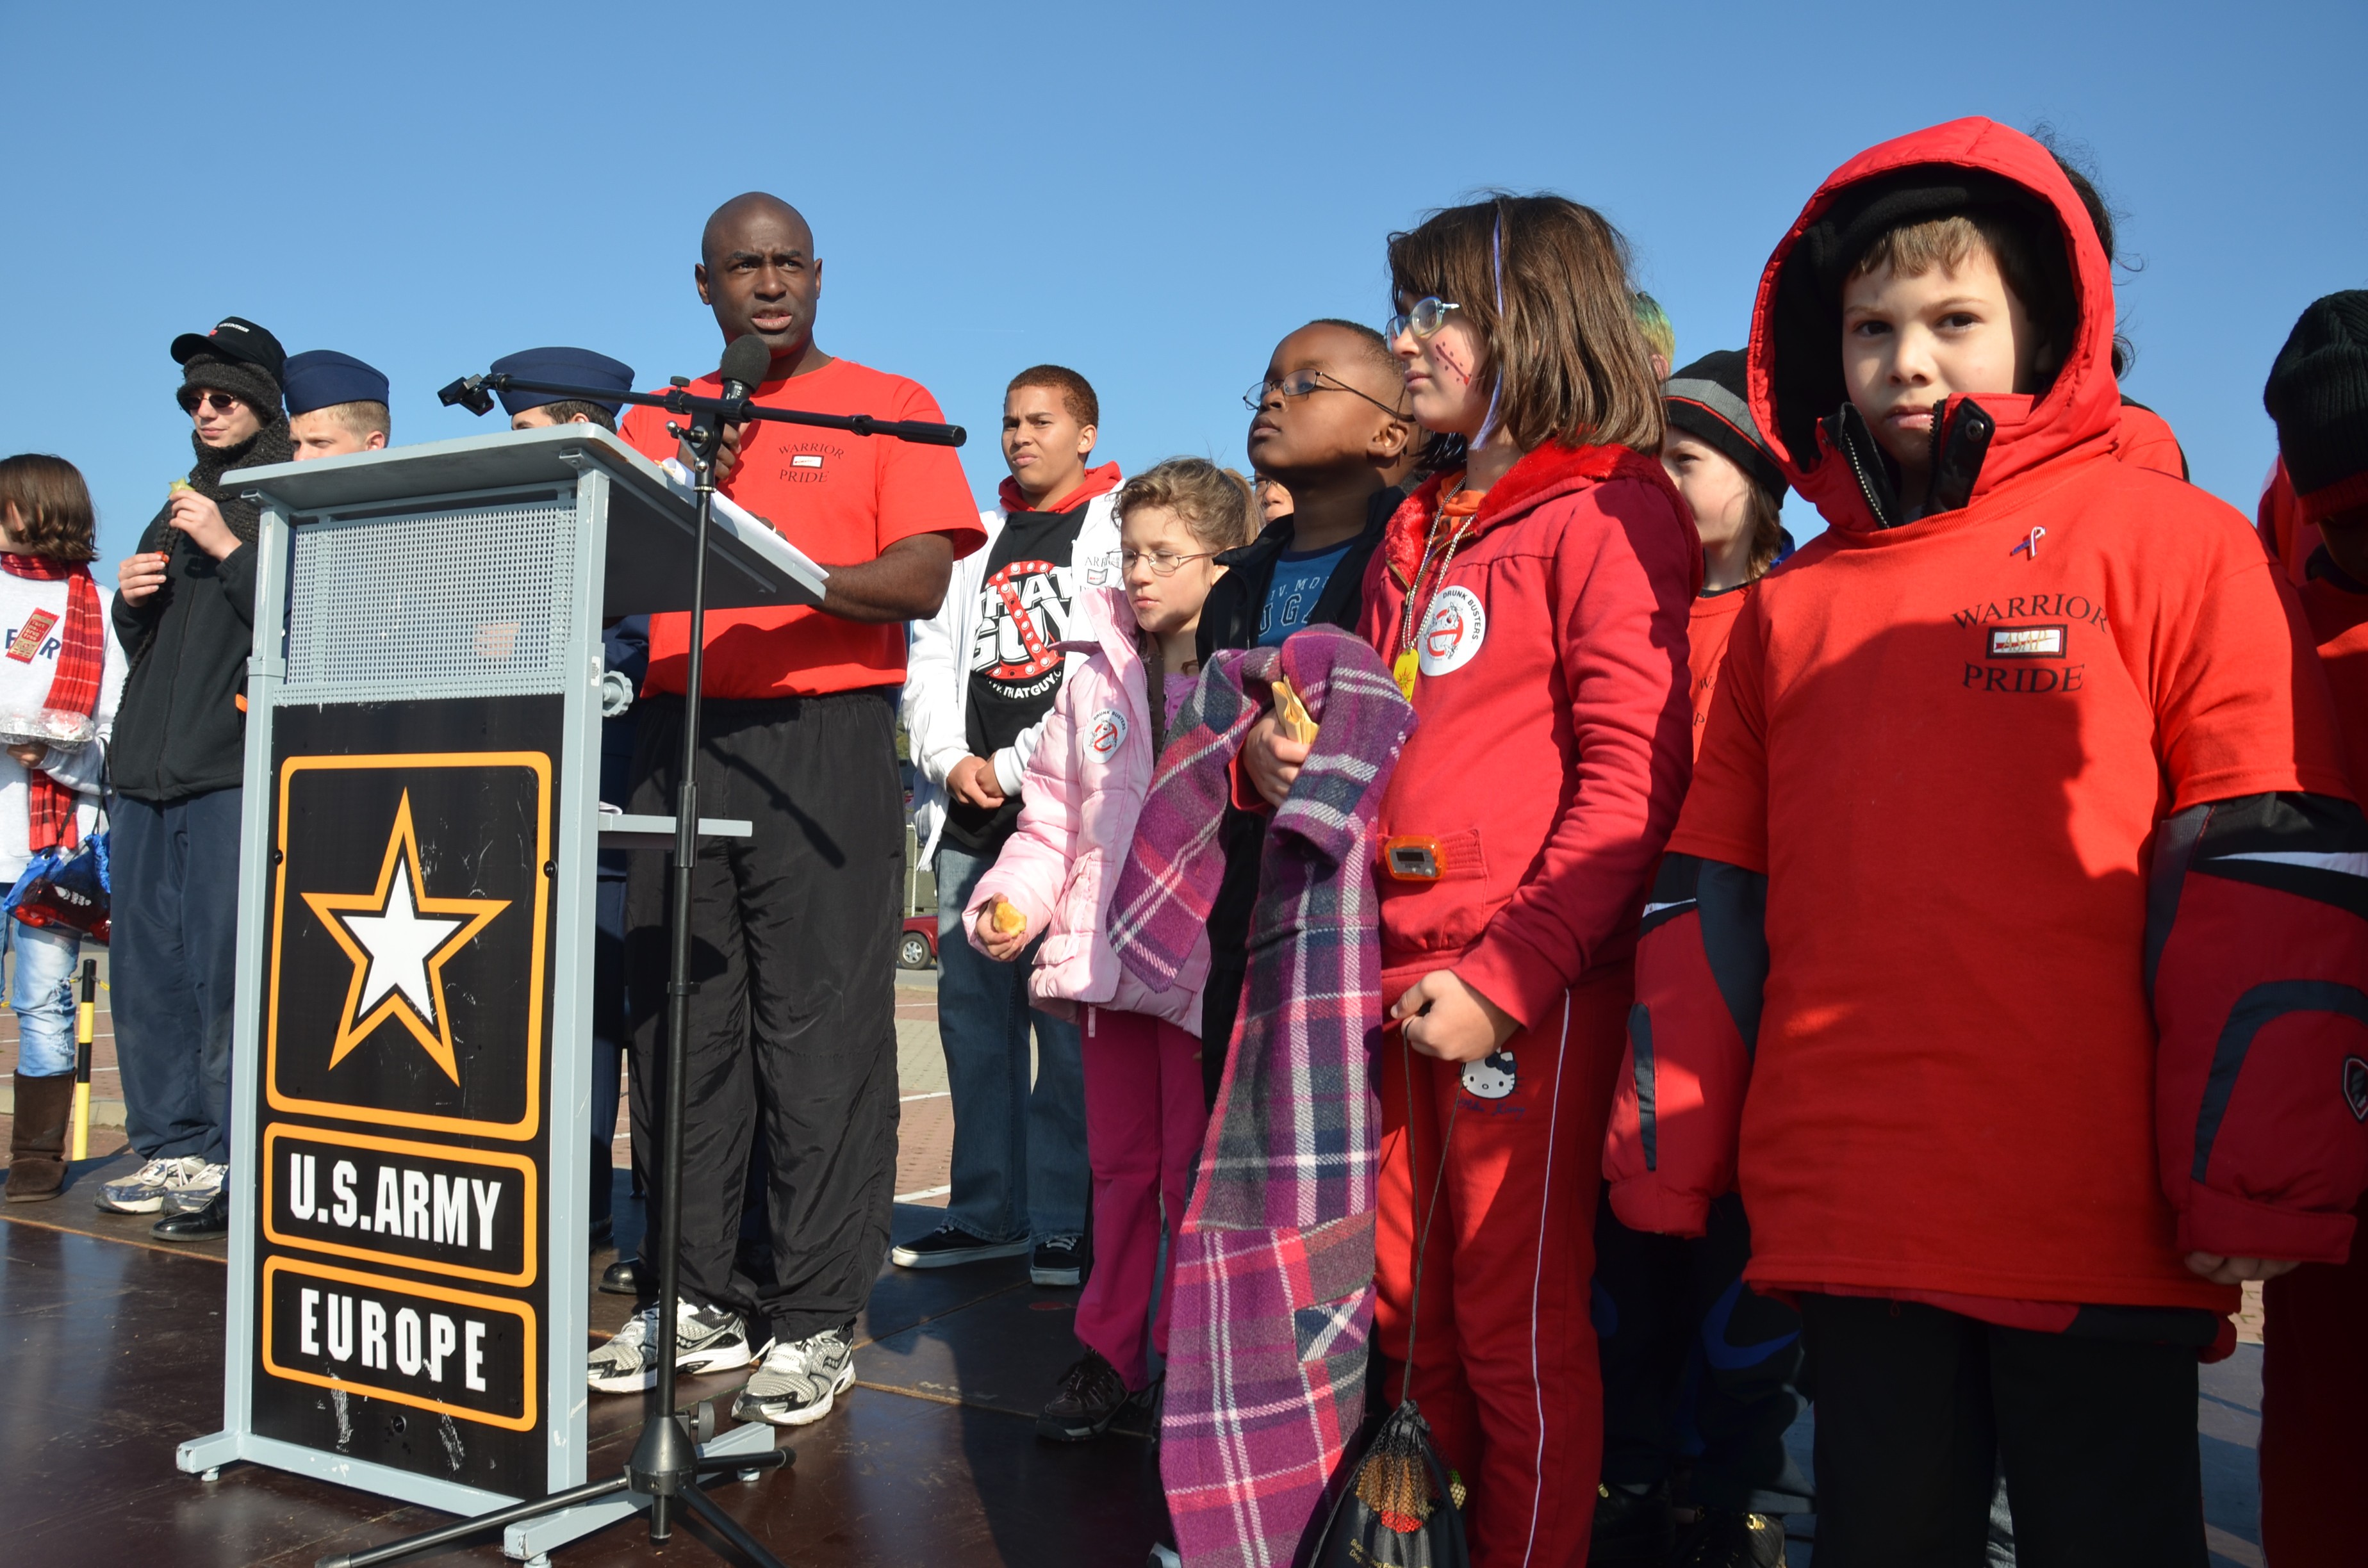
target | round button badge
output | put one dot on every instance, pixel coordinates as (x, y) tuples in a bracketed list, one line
[(1452, 632)]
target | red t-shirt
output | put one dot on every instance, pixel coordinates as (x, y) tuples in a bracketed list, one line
[(841, 498), (1707, 627), (1949, 758)]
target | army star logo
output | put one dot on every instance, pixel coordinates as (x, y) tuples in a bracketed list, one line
[(399, 941)]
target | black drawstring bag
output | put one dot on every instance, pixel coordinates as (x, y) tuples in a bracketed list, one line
[(1401, 1508)]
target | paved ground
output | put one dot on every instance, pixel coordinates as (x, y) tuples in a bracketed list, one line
[(114, 1343)]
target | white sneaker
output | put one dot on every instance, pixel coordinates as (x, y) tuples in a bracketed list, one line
[(706, 1339), (143, 1191), (189, 1196), (800, 1380)]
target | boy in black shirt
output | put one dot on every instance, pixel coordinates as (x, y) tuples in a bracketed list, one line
[(1327, 424), (981, 676)]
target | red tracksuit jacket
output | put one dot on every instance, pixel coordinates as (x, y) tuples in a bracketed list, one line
[(1547, 764), (2010, 942)]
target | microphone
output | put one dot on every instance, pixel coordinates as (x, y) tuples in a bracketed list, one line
[(744, 364)]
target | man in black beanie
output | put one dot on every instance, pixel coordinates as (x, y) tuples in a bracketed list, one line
[(184, 612)]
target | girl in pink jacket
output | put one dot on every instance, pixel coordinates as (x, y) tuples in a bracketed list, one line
[(1051, 886)]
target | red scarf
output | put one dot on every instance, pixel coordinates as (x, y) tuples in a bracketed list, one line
[(82, 659)]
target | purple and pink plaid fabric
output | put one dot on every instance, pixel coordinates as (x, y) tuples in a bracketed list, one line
[(1274, 1260)]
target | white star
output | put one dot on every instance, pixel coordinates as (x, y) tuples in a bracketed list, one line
[(401, 940)]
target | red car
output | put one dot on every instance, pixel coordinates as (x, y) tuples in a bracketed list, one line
[(918, 947)]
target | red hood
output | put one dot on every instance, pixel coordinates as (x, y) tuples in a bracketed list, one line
[(1540, 475), (1795, 379), (1097, 482)]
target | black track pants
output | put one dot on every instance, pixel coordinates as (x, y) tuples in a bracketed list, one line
[(1916, 1408), (793, 1028)]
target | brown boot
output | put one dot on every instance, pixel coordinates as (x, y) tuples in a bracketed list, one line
[(37, 1141)]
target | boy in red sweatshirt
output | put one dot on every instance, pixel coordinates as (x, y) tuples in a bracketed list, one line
[(2014, 887), (2315, 1374)]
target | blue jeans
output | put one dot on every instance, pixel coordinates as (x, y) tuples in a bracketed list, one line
[(1020, 1149), (41, 990), (174, 970)]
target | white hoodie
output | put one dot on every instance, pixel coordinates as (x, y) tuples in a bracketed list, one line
[(25, 686), (937, 666)]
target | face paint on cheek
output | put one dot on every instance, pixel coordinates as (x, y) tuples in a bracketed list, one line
[(1446, 355)]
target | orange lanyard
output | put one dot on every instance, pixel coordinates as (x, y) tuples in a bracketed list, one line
[(1460, 505)]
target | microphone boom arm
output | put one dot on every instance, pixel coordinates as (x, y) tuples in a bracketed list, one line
[(476, 394)]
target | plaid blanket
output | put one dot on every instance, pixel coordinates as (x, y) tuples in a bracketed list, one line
[(1274, 1260)]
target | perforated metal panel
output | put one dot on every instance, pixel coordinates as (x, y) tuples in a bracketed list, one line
[(468, 602)]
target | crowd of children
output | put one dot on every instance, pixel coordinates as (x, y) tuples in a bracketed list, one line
[(1921, 976), (1946, 939)]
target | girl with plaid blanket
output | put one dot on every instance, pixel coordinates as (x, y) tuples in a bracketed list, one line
[(1052, 885), (1532, 604)]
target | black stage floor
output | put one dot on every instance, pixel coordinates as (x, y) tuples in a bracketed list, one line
[(112, 1347), (114, 1357)]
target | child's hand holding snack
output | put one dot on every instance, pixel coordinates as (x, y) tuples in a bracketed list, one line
[(1002, 930)]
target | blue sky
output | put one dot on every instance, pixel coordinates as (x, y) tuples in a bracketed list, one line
[(1151, 196)]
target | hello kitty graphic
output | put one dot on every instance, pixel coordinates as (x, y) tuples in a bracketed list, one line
[(1492, 1078)]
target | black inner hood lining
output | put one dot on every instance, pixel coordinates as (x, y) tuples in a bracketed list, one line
[(1806, 316)]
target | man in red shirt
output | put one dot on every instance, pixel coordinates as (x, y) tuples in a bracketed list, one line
[(792, 1034)]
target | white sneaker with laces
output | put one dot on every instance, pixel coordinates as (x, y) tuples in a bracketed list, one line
[(189, 1196), (707, 1339), (143, 1191), (800, 1380)]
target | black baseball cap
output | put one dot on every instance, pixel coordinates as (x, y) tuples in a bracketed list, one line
[(234, 337)]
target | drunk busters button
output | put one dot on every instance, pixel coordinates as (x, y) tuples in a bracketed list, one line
[(1452, 632), (454, 1352)]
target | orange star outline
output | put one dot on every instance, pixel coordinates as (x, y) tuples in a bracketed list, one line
[(401, 846)]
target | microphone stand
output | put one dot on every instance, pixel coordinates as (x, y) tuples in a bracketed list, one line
[(666, 1466)]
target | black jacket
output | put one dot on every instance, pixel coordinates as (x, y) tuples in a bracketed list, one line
[(179, 729), (1229, 618)]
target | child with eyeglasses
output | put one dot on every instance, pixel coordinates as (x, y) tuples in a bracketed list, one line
[(1051, 886), (1532, 603)]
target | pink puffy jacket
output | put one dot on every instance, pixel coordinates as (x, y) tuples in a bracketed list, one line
[(1082, 790)]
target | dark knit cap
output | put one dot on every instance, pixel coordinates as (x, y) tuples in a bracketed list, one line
[(2317, 394), (1709, 400), (251, 384)]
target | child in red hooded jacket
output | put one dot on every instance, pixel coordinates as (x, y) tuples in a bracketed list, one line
[(1532, 603), (2013, 886), (2314, 1371)]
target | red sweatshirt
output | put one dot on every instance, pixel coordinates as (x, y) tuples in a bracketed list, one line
[(1709, 623), (2057, 975), (1552, 748)]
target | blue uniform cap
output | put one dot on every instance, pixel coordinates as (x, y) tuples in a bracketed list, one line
[(324, 378), (576, 366)]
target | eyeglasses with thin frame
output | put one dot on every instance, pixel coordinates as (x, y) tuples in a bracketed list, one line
[(221, 403), (1430, 313), (1299, 383), (1163, 563)]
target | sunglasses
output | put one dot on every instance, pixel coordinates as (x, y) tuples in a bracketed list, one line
[(1299, 383), (221, 403), (1430, 313)]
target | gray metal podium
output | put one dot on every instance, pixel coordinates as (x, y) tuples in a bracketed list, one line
[(411, 1094)]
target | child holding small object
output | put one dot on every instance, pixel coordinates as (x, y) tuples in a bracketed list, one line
[(1051, 884), (58, 688)]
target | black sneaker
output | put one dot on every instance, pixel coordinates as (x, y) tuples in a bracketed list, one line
[(1633, 1529), (945, 1246), (196, 1225), (1090, 1396), (620, 1279), (1727, 1537), (1058, 1260)]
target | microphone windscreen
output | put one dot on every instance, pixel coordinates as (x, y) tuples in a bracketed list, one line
[(746, 360)]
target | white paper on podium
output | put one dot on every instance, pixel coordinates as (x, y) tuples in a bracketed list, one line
[(750, 526)]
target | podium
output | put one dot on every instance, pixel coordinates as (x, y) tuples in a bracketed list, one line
[(411, 1046)]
